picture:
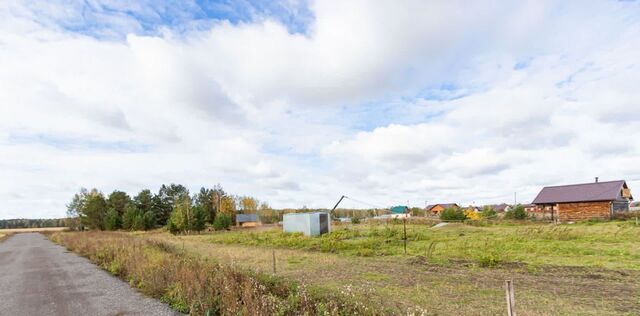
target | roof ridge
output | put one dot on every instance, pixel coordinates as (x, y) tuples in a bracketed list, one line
[(588, 183)]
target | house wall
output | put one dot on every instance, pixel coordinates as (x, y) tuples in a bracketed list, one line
[(437, 209), (584, 211)]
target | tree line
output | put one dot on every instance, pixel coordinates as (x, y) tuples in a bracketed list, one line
[(172, 206), (31, 223)]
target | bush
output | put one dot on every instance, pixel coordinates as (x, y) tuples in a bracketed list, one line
[(517, 212), (222, 221), (453, 214), (488, 212), (355, 220)]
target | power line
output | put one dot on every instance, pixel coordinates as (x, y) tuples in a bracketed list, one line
[(365, 203)]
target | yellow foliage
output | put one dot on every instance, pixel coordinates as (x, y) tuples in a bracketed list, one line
[(472, 215)]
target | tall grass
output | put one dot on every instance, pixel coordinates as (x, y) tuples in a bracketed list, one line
[(4, 236), (199, 287)]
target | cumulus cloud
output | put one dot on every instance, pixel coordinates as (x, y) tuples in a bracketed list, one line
[(298, 103)]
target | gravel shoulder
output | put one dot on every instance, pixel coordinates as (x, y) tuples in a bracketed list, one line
[(38, 277)]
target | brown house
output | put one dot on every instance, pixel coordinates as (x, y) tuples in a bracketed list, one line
[(436, 209), (597, 200)]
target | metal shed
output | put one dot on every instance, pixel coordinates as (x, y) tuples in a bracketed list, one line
[(310, 224)]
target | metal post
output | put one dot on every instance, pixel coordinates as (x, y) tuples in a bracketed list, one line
[(511, 298)]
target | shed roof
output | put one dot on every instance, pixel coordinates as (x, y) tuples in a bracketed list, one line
[(243, 218), (585, 192), (399, 209)]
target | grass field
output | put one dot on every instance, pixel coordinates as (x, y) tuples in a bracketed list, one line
[(4, 236), (612, 245), (581, 269)]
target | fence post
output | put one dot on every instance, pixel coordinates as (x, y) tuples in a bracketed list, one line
[(405, 235), (511, 298), (274, 262)]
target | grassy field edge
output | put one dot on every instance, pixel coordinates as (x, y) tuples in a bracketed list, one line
[(198, 286)]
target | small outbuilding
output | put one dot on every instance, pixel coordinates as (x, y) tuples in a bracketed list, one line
[(310, 224), (247, 220), (574, 202)]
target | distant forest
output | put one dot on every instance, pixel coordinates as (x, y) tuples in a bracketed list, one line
[(31, 223)]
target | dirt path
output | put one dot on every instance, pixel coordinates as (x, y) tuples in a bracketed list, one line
[(38, 277)]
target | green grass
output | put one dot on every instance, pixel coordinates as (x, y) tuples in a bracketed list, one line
[(612, 245)]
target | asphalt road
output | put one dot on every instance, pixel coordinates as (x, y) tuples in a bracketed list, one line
[(38, 277)]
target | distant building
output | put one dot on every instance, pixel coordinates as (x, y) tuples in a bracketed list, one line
[(399, 210), (500, 208), (596, 200), (436, 209), (247, 220)]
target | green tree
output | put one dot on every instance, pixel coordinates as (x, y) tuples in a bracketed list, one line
[(75, 208), (112, 220), (118, 201), (93, 210), (149, 219), (222, 221), (199, 219), (182, 216), (131, 218), (167, 197), (144, 201), (206, 199)]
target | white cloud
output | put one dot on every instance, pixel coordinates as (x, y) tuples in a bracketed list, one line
[(528, 94)]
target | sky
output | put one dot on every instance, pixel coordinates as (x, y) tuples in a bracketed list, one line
[(299, 102)]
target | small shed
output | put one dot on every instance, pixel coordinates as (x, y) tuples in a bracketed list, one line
[(247, 220), (310, 224)]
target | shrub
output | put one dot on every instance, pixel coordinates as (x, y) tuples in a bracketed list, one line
[(222, 221), (453, 214), (355, 220), (517, 212), (472, 215), (488, 212)]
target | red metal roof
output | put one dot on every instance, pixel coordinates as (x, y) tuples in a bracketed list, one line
[(586, 192)]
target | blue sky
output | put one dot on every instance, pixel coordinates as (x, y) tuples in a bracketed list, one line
[(300, 102)]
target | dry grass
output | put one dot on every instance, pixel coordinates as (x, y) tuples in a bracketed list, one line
[(4, 235), (32, 230), (458, 287), (198, 286)]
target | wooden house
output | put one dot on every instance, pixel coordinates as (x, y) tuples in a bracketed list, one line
[(575, 202), (436, 209)]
